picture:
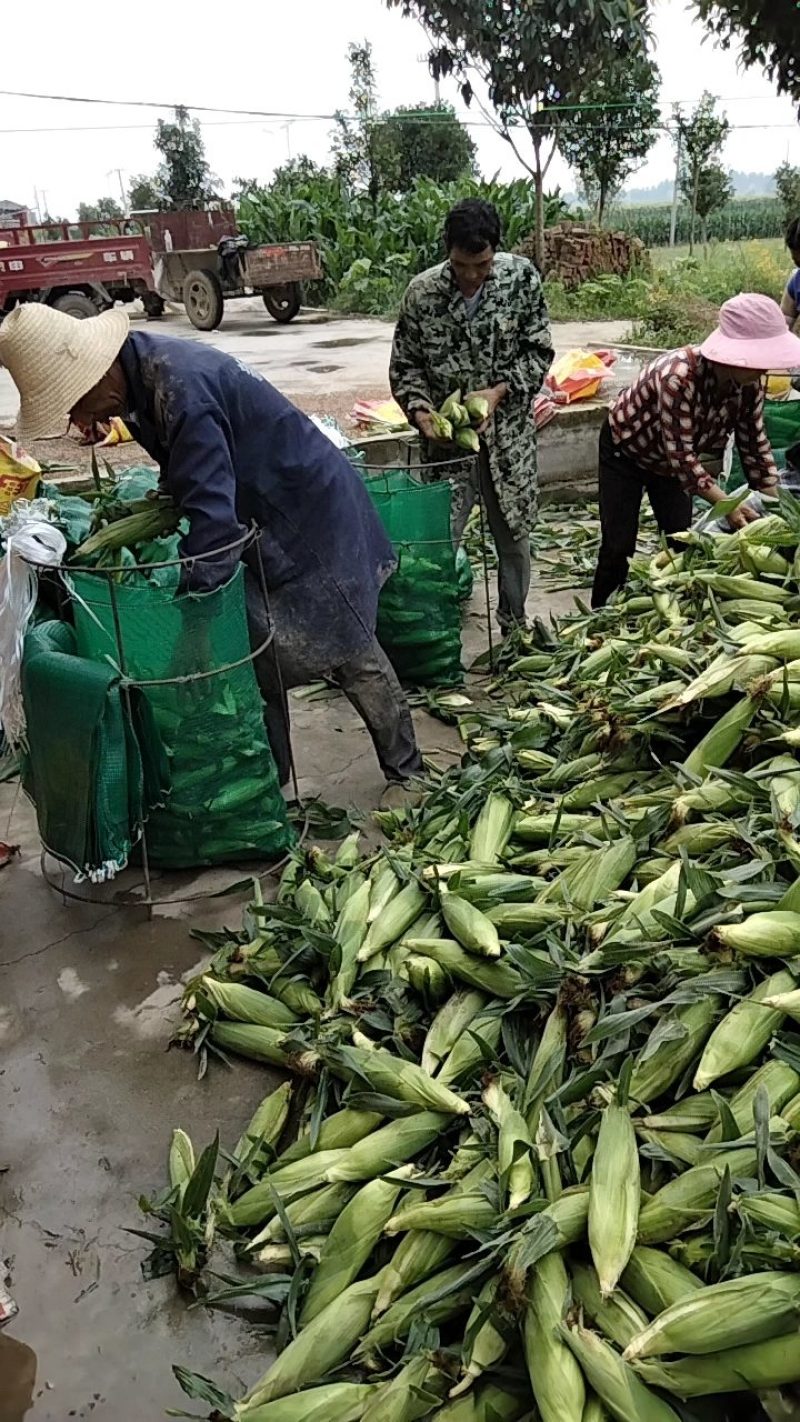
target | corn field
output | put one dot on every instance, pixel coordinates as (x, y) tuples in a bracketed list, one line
[(536, 1153), (740, 221), (369, 251)]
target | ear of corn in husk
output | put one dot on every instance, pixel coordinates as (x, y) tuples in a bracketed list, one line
[(332, 1402), (469, 1054), (613, 1196), (403, 1080), (496, 978), (774, 1362), (487, 1336), (616, 1315), (267, 1122), (458, 1214), (394, 920), (614, 1381), (262, 1044), (311, 1214), (556, 1379), (656, 1071), (514, 1145), (181, 1160), (419, 1254), (352, 1239), (257, 1204), (437, 1299), (491, 830), (471, 928), (343, 1129), (246, 1004), (778, 1080), (450, 1022), (322, 1346), (762, 935), (349, 934), (411, 1393), (690, 1198), (722, 1316), (388, 1147), (485, 1403), (741, 1035), (656, 1281)]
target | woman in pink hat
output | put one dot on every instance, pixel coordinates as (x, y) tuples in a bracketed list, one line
[(667, 432)]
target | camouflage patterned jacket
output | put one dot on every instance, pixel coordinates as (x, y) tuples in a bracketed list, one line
[(438, 350)]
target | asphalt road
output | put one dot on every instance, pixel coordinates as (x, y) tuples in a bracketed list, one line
[(317, 353)]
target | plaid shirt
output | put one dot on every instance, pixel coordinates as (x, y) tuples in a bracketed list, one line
[(674, 413)]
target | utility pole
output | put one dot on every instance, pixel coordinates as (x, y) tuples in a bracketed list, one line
[(287, 128), (122, 191), (673, 222)]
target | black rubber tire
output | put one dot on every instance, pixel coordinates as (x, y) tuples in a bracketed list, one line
[(283, 302), (75, 303), (203, 299), (153, 305)]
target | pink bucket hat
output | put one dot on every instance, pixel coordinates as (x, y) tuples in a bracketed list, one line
[(752, 334)]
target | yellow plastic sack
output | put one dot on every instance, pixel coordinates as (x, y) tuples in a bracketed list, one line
[(577, 375), (19, 474)]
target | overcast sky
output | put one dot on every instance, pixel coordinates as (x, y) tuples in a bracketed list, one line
[(287, 58)]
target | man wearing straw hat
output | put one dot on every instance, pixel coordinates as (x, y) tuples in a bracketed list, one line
[(233, 452)]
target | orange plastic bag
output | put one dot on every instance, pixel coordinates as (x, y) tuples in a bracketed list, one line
[(577, 375), (19, 474)]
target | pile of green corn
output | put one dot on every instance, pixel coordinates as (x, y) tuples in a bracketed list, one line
[(538, 1154)]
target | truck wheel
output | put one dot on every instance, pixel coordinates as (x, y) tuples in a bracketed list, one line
[(203, 299), (75, 303), (283, 302)]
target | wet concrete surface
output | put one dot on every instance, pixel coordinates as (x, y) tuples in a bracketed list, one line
[(89, 1094)]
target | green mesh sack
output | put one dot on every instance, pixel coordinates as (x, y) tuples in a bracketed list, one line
[(419, 624), (94, 769), (225, 802)]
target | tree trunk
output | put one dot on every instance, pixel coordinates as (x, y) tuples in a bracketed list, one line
[(704, 228), (538, 184), (601, 204), (695, 190)]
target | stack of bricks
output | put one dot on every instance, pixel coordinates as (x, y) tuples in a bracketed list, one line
[(575, 254)]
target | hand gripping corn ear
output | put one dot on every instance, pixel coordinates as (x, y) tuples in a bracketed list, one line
[(475, 1198)]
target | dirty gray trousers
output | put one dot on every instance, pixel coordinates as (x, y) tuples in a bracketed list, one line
[(513, 554), (368, 681)]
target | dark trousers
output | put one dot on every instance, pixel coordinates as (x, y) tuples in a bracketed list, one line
[(513, 554), (367, 679), (622, 483)]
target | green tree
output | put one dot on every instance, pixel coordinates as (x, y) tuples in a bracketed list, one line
[(145, 195), (787, 182), (701, 138), (429, 143), (100, 211), (610, 138), (183, 176), (535, 61), (363, 154), (766, 31), (714, 190)]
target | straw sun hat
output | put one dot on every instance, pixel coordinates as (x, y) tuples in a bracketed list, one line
[(54, 359)]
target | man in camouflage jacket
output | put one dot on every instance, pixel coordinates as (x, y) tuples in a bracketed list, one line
[(479, 323)]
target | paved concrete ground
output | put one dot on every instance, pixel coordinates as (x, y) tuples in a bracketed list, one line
[(89, 1095), (316, 353)]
